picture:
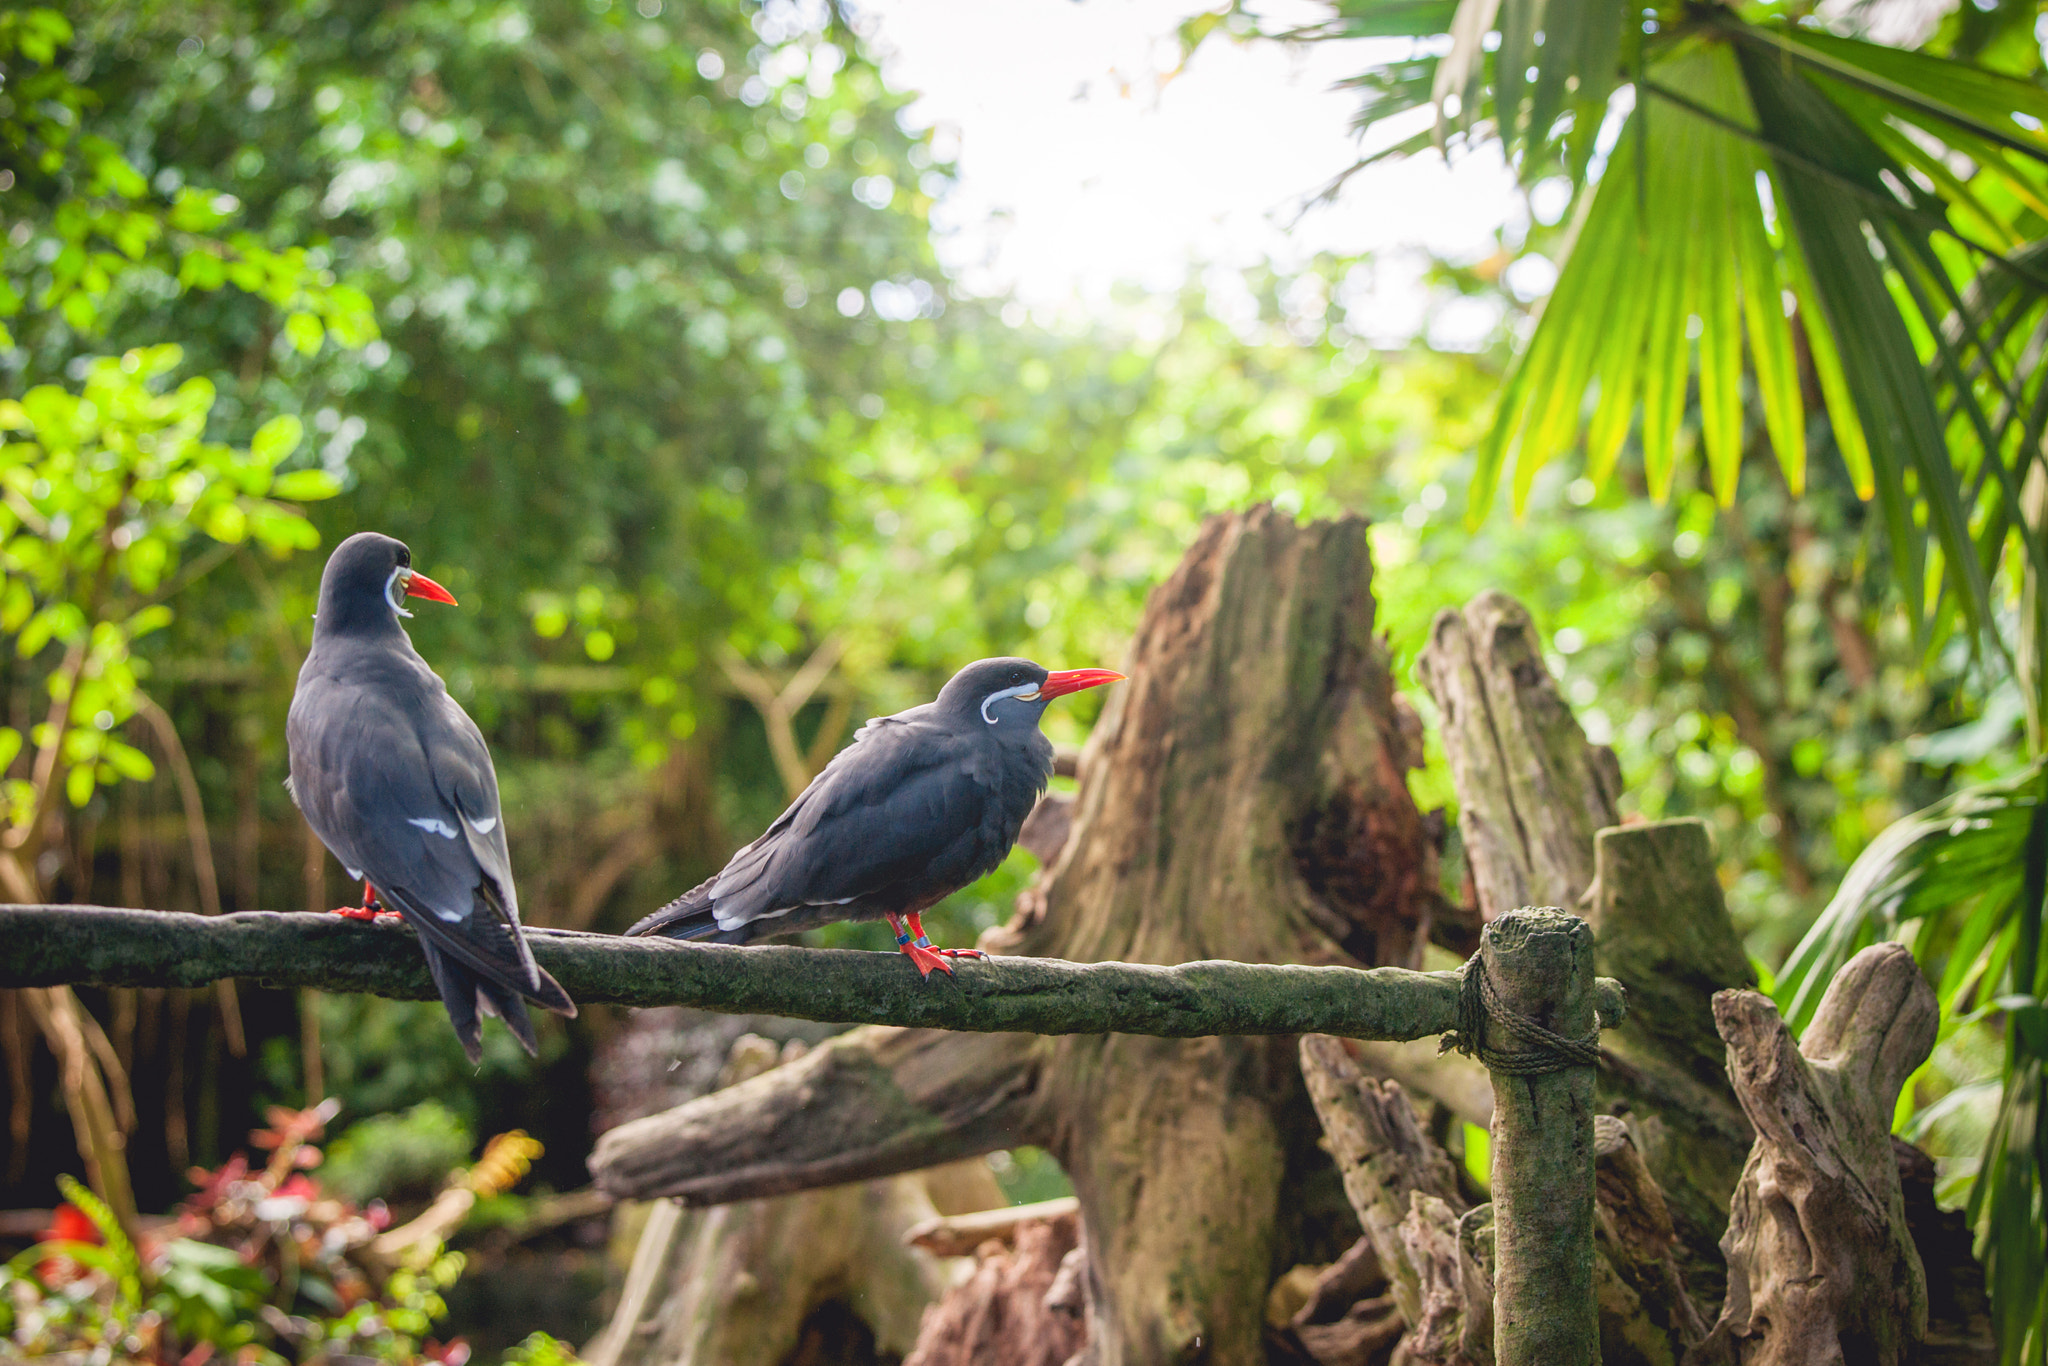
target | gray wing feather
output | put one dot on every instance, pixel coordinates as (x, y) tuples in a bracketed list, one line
[(380, 808), (902, 778)]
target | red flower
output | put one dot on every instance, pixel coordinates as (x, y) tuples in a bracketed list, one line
[(299, 1187), (70, 1224)]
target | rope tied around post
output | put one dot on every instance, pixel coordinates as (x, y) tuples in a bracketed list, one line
[(1545, 1049)]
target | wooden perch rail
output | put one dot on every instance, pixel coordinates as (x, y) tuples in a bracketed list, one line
[(49, 945)]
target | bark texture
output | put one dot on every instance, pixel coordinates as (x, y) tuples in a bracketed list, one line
[(1013, 1310), (1244, 797), (1544, 1309), (1384, 1156), (42, 945), (868, 1103), (1661, 924), (1538, 815), (1821, 1263), (1646, 1312), (1531, 791), (1440, 1255)]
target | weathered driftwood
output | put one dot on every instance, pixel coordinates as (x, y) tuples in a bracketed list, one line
[(1821, 1262), (1012, 1310), (1345, 1317), (868, 1103), (1440, 1267), (959, 1235), (1531, 791), (1456, 1325), (1535, 799), (739, 1284), (1383, 1154), (1243, 798)]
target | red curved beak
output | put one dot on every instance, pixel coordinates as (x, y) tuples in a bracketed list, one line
[(1060, 682), (418, 585)]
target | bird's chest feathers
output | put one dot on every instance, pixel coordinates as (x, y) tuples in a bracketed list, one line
[(1009, 785)]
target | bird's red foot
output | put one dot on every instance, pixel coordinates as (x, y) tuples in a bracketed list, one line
[(372, 908), (916, 923), (927, 959)]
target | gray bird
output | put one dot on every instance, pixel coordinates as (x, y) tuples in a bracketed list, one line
[(395, 779), (918, 806)]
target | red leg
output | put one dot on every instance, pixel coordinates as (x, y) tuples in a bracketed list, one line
[(919, 953), (368, 910), (917, 928)]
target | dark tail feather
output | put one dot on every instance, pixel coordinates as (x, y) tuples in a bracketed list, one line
[(504, 1003), (689, 916), (485, 974), (458, 988)]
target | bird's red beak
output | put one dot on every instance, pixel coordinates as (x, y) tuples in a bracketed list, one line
[(1060, 682), (418, 585)]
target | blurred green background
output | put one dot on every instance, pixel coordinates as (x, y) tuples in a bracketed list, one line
[(628, 320)]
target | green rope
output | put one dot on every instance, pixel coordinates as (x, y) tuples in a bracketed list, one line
[(1543, 1050)]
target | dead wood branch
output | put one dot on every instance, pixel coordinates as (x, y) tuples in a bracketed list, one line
[(1821, 1263)]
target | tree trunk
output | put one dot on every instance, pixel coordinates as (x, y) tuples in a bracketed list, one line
[(1244, 797)]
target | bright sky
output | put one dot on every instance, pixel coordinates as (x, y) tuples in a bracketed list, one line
[(1082, 165)]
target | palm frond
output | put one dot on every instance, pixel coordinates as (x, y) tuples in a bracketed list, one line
[(1959, 859)]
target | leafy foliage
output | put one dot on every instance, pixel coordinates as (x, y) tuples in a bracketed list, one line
[(261, 1265), (102, 490), (403, 1154)]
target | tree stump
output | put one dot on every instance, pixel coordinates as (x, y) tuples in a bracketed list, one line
[(1244, 797), (1821, 1263), (1531, 791), (1537, 808), (744, 1284)]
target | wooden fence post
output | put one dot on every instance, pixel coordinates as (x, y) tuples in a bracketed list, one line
[(1540, 1041)]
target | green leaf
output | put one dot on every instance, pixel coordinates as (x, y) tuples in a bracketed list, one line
[(304, 331), (276, 439), (1771, 354), (305, 486), (129, 762), (1931, 863), (1723, 198)]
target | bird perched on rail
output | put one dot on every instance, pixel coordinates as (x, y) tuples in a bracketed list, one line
[(918, 806), (394, 778)]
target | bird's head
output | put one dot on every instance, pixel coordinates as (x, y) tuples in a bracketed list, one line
[(1010, 692), (366, 582)]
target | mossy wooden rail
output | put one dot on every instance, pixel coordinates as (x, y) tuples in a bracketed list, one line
[(1540, 961)]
